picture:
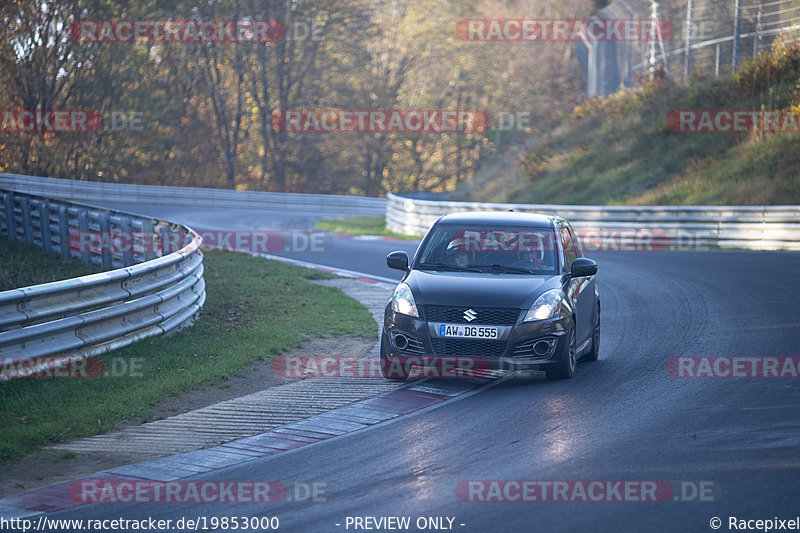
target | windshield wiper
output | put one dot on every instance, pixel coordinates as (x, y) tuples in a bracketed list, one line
[(442, 266), (506, 268)]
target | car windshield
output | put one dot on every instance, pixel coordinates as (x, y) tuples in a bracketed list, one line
[(512, 250)]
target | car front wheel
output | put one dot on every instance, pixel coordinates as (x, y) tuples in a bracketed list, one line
[(594, 353), (566, 352)]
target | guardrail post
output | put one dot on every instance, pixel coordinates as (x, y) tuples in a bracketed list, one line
[(11, 221), (127, 232), (44, 220), (63, 231), (106, 244), (27, 226), (166, 241), (83, 229), (148, 240)]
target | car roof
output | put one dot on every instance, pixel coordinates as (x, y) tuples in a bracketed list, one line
[(499, 218)]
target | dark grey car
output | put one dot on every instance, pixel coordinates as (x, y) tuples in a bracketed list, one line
[(505, 290)]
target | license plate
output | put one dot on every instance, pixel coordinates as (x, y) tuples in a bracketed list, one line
[(468, 332)]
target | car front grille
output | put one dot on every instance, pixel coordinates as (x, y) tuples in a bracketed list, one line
[(524, 350), (486, 316), (468, 348)]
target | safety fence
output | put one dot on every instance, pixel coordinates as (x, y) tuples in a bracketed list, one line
[(705, 38), (91, 191), (153, 286), (682, 227)]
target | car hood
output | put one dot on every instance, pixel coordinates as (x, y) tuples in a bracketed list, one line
[(478, 290)]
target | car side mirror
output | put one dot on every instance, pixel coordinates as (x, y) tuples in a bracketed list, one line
[(397, 260), (583, 267)]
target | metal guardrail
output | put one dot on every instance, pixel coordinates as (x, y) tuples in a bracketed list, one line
[(154, 289), (90, 191), (749, 227)]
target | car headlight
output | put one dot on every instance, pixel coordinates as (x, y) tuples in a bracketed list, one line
[(403, 301), (546, 306)]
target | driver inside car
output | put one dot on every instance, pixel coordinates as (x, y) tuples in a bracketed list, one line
[(456, 254)]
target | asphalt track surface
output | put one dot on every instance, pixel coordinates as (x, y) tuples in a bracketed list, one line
[(620, 418)]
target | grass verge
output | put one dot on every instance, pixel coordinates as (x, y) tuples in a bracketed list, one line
[(22, 265), (255, 309), (365, 225), (628, 148)]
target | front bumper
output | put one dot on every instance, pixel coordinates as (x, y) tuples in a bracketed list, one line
[(520, 346)]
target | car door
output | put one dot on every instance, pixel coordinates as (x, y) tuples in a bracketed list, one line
[(580, 291)]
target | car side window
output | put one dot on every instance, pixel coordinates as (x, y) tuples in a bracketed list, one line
[(435, 249), (576, 243), (570, 253)]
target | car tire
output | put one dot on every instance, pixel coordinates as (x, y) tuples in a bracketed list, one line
[(392, 368), (566, 355), (594, 353)]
